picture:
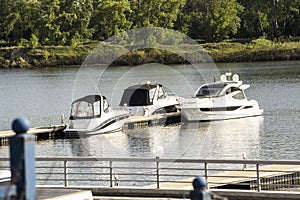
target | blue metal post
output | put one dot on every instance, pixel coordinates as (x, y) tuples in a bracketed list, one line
[(22, 160), (200, 191)]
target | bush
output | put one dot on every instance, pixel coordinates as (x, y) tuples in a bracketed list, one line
[(34, 41), (262, 42)]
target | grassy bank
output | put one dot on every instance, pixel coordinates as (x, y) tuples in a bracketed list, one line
[(47, 56)]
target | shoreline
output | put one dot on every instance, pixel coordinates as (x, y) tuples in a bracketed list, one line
[(55, 56)]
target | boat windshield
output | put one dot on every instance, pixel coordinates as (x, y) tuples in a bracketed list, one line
[(84, 109), (136, 97), (151, 94), (210, 90)]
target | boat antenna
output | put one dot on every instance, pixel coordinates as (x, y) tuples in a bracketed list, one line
[(214, 79)]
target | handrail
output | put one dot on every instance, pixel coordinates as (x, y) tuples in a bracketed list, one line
[(153, 172), (181, 160)]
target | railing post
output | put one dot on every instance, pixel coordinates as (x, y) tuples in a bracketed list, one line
[(111, 173), (258, 178), (206, 172), (22, 160), (157, 172), (65, 173)]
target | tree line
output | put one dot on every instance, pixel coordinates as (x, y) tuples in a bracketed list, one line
[(71, 22)]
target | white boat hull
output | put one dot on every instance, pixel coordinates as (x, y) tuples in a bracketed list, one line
[(195, 114), (97, 125)]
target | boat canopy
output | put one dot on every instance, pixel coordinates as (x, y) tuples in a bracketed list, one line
[(90, 98), (212, 89), (87, 107), (139, 95)]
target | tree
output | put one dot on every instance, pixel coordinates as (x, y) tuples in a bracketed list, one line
[(17, 19), (155, 13), (272, 18), (48, 29), (254, 19), (110, 17), (73, 20), (211, 20)]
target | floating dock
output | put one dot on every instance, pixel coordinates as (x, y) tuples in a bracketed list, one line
[(56, 131), (160, 119), (270, 178), (46, 132)]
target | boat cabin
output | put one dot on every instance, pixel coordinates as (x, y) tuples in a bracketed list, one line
[(142, 95), (235, 90), (88, 107)]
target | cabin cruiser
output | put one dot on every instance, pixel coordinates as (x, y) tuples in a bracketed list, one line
[(148, 99), (92, 115), (220, 100)]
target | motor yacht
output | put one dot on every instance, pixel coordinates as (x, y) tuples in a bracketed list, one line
[(93, 115), (220, 100), (148, 99)]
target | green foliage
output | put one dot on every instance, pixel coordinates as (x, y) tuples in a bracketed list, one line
[(155, 13), (271, 18), (75, 41), (210, 20), (70, 22), (34, 41), (110, 18), (262, 42)]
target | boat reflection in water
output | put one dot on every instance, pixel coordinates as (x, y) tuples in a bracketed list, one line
[(226, 139)]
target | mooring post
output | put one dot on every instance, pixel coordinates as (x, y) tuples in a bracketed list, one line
[(22, 160), (200, 191)]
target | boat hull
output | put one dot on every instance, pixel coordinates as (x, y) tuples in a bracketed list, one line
[(219, 110), (195, 114), (97, 125)]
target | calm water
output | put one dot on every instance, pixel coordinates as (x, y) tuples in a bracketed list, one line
[(42, 95)]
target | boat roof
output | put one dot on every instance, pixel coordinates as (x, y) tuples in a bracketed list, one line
[(90, 98), (145, 86), (138, 95), (215, 85)]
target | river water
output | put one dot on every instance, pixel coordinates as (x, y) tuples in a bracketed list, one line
[(42, 95)]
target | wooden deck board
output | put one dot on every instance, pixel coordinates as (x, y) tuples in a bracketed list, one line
[(65, 194), (235, 177), (36, 130)]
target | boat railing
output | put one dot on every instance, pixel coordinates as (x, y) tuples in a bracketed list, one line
[(161, 172)]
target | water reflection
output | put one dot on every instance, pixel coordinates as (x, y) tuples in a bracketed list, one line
[(238, 137), (218, 139)]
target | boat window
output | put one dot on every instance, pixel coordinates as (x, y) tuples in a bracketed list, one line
[(138, 97), (151, 94), (232, 89), (208, 91), (161, 93), (97, 108), (82, 109), (239, 95), (105, 105)]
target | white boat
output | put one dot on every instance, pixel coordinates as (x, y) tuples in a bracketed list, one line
[(148, 99), (220, 100), (92, 115)]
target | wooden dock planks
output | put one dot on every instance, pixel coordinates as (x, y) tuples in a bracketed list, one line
[(64, 194), (40, 132), (36, 130), (235, 177), (159, 119)]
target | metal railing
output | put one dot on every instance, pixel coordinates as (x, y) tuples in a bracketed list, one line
[(159, 172)]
